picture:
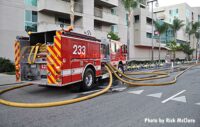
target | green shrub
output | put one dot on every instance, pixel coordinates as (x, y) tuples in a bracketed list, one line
[(6, 65), (114, 36)]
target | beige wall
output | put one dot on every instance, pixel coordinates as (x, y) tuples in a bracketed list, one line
[(10, 25)]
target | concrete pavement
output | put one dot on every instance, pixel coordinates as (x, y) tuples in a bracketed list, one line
[(114, 109)]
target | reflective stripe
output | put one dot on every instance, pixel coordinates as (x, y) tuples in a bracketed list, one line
[(75, 71), (98, 67), (66, 72)]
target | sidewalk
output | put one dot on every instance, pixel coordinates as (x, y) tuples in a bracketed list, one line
[(7, 79)]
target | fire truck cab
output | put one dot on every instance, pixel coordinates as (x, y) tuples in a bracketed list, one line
[(59, 58)]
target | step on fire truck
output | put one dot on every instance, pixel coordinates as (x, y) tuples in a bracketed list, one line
[(59, 58)]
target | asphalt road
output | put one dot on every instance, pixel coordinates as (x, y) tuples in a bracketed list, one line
[(176, 105)]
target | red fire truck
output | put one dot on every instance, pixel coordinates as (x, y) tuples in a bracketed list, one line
[(59, 58)]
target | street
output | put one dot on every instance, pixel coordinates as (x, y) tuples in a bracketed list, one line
[(176, 105)]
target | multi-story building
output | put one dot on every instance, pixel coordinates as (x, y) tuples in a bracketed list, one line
[(140, 33), (91, 17), (183, 12)]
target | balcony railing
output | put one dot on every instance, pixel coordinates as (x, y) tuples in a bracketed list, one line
[(111, 2), (106, 15)]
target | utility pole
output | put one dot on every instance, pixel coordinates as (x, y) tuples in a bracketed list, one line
[(152, 35)]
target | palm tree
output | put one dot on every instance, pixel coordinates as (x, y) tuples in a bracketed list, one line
[(173, 47), (176, 26), (161, 28), (188, 30), (129, 5), (194, 31), (187, 50)]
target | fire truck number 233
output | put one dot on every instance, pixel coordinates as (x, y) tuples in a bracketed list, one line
[(79, 49)]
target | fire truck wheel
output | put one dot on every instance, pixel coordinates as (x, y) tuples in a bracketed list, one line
[(88, 80)]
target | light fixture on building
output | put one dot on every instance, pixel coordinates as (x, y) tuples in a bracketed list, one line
[(109, 36)]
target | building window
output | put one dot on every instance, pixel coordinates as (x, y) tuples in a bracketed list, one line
[(114, 28), (30, 21), (170, 12), (113, 11), (148, 20), (60, 20), (149, 35), (199, 18), (31, 2), (137, 18), (177, 11)]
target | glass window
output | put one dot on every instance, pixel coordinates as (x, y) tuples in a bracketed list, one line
[(176, 10), (31, 2), (149, 35), (114, 28), (28, 15), (34, 16), (137, 18), (148, 20), (113, 11), (170, 12), (30, 20), (199, 18), (62, 20), (30, 27)]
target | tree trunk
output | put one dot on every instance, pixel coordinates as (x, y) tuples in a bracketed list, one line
[(128, 35), (174, 55), (175, 36), (72, 13)]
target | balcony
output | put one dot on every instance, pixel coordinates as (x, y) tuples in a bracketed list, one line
[(107, 3), (59, 6), (105, 16)]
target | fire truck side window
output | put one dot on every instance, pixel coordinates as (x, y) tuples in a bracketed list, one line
[(104, 50)]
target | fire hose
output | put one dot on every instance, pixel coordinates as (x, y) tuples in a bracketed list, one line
[(37, 48), (110, 70), (114, 70), (51, 104)]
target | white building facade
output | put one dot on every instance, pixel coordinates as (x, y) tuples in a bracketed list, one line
[(92, 17)]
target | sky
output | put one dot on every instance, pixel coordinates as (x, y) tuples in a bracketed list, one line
[(192, 3)]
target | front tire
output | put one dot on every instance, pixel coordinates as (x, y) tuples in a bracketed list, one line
[(88, 80)]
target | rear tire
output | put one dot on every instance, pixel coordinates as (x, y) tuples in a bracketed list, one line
[(88, 80)]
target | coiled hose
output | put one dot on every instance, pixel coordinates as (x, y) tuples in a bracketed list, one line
[(114, 70), (57, 103)]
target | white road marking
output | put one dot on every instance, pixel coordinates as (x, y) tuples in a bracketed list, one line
[(119, 89), (181, 99), (136, 92), (157, 95), (170, 98), (197, 103), (90, 91)]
